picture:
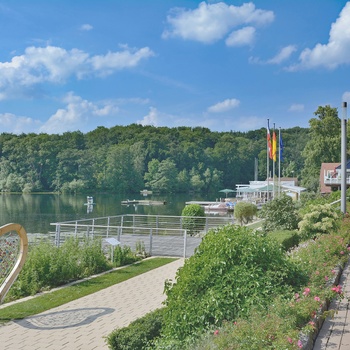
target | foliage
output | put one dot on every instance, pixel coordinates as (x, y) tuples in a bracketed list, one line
[(321, 219), (193, 218), (123, 256), (245, 212), (124, 158), (288, 239), (48, 266), (138, 333), (323, 145), (280, 324), (279, 214), (232, 270)]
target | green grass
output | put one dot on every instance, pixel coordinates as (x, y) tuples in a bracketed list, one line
[(59, 297)]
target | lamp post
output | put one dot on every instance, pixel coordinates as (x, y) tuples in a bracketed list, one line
[(343, 160)]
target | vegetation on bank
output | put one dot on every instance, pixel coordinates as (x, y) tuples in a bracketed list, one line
[(248, 289)]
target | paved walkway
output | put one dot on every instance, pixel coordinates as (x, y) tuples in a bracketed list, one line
[(83, 323), (335, 333)]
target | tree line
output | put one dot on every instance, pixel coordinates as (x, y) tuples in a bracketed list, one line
[(124, 159)]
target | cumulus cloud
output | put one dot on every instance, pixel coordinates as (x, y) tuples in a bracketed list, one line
[(152, 118), (55, 65), (18, 124), (224, 106), (211, 22), (76, 114), (241, 37), (296, 107), (336, 52)]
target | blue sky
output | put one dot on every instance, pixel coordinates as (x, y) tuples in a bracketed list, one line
[(229, 65)]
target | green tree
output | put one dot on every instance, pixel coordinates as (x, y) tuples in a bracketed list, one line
[(193, 218), (279, 214), (323, 145), (244, 212)]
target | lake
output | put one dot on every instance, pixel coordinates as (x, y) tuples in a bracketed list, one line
[(35, 212)]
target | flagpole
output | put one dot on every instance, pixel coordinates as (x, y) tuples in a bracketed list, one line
[(273, 161), (267, 160), (279, 162)]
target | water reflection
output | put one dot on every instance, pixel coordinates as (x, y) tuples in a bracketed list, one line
[(35, 212)]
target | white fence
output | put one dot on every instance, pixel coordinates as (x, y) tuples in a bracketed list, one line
[(161, 235)]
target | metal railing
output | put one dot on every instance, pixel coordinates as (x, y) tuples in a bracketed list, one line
[(161, 235)]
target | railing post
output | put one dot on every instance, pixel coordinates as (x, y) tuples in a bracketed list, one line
[(93, 228), (121, 225), (58, 235), (150, 242), (206, 224), (76, 229), (108, 223), (185, 243), (157, 224)]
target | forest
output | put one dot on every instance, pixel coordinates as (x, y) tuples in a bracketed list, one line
[(127, 159)]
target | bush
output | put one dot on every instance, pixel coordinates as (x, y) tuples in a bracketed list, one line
[(123, 256), (232, 270), (321, 219), (288, 239), (138, 333), (245, 212), (279, 214), (193, 218)]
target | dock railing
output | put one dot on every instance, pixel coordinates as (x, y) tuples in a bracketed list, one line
[(152, 230)]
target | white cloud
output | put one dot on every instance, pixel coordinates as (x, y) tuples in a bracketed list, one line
[(76, 115), (211, 22), (86, 27), (296, 107), (224, 106), (335, 52), (151, 118), (55, 65), (283, 55), (241, 37), (17, 124)]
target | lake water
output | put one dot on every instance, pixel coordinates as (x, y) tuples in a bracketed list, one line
[(35, 212)]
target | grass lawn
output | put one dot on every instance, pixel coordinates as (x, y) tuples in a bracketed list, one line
[(64, 295)]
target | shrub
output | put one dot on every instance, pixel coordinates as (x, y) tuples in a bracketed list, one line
[(138, 333), (245, 212), (193, 218), (288, 239), (321, 219), (232, 270), (123, 256), (279, 214)]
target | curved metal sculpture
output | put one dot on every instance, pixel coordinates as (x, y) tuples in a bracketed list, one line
[(13, 253)]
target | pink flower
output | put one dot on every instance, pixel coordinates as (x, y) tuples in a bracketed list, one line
[(290, 340), (348, 248), (317, 272), (312, 324), (306, 291), (317, 298), (334, 272), (326, 278), (300, 344), (216, 332), (341, 253), (296, 296), (337, 289), (327, 251)]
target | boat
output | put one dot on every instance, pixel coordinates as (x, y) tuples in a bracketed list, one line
[(222, 206), (143, 202), (130, 202)]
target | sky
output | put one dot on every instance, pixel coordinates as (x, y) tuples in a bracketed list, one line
[(225, 65)]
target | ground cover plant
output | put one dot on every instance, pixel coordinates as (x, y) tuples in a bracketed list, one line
[(193, 218), (64, 295)]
